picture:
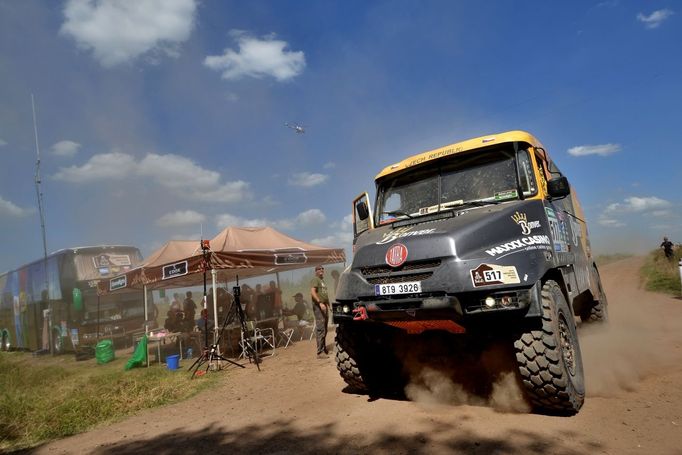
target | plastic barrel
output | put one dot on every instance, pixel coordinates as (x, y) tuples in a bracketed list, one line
[(173, 362)]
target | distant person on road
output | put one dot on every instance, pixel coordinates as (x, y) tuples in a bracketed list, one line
[(667, 247), (320, 298)]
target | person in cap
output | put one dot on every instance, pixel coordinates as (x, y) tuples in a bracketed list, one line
[(320, 298)]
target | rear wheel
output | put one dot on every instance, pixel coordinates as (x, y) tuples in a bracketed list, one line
[(598, 312), (549, 359)]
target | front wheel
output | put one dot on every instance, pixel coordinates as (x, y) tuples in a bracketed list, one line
[(549, 359)]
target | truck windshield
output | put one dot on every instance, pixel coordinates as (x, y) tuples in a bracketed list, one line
[(478, 178)]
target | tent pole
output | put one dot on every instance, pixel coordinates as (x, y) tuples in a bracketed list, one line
[(97, 318), (214, 274), (146, 313)]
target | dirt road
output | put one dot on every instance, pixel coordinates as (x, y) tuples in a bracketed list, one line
[(296, 404)]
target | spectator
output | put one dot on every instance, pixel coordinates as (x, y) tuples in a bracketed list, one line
[(201, 323), (189, 307), (667, 247), (320, 298), (277, 297), (300, 306), (176, 304)]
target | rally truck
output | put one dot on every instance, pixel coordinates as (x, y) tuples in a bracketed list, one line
[(481, 238)]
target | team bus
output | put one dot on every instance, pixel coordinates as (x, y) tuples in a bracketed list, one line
[(65, 284)]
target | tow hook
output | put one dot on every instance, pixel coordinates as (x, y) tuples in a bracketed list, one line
[(360, 314)]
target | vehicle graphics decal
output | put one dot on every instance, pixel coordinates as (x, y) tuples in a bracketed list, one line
[(521, 219), (557, 227), (490, 274), (403, 232), (532, 242)]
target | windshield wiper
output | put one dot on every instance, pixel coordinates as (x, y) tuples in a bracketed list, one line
[(397, 213), (461, 204)]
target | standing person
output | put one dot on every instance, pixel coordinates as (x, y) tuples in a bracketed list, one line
[(320, 298), (667, 246), (190, 308), (176, 305)]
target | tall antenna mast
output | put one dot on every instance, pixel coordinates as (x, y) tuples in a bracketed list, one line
[(39, 195)]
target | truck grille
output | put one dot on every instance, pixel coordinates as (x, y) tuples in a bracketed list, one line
[(399, 278), (416, 265)]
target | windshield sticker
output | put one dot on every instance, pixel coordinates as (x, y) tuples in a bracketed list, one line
[(533, 242), (490, 274), (557, 227), (403, 232), (522, 220), (504, 195)]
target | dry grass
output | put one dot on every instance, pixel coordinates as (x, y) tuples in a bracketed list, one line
[(48, 398), (661, 274)]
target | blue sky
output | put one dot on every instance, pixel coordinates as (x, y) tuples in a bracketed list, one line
[(156, 117)]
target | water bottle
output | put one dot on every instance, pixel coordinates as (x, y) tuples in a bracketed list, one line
[(189, 353)]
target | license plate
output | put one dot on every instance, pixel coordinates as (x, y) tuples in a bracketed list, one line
[(410, 287)]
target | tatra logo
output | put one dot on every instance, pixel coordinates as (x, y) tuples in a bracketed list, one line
[(396, 255), (522, 220)]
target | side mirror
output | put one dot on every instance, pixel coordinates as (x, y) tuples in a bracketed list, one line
[(558, 187), (363, 211)]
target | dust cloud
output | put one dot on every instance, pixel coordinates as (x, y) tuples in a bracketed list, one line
[(484, 378), (643, 337)]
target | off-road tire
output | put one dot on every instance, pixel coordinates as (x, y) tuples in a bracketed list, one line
[(598, 312), (366, 358), (348, 358), (549, 359)]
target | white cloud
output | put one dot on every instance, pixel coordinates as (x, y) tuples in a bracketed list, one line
[(65, 148), (601, 150), (661, 213), (329, 165), (106, 166), (181, 218), (177, 173), (610, 222), (310, 217), (654, 19), (2, 143), (302, 220), (638, 204), (338, 239), (10, 209), (226, 219), (120, 31), (307, 179), (257, 58)]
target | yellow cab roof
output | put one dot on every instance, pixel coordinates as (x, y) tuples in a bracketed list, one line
[(459, 147)]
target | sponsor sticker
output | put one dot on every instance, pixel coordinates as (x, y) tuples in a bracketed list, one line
[(118, 283), (491, 274), (290, 258), (531, 242), (526, 226), (173, 270), (558, 229), (403, 232)]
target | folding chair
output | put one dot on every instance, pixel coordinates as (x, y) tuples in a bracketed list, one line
[(285, 337), (258, 339)]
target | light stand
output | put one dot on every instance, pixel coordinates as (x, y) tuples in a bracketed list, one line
[(210, 354)]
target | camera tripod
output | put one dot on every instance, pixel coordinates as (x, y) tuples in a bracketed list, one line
[(211, 354)]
